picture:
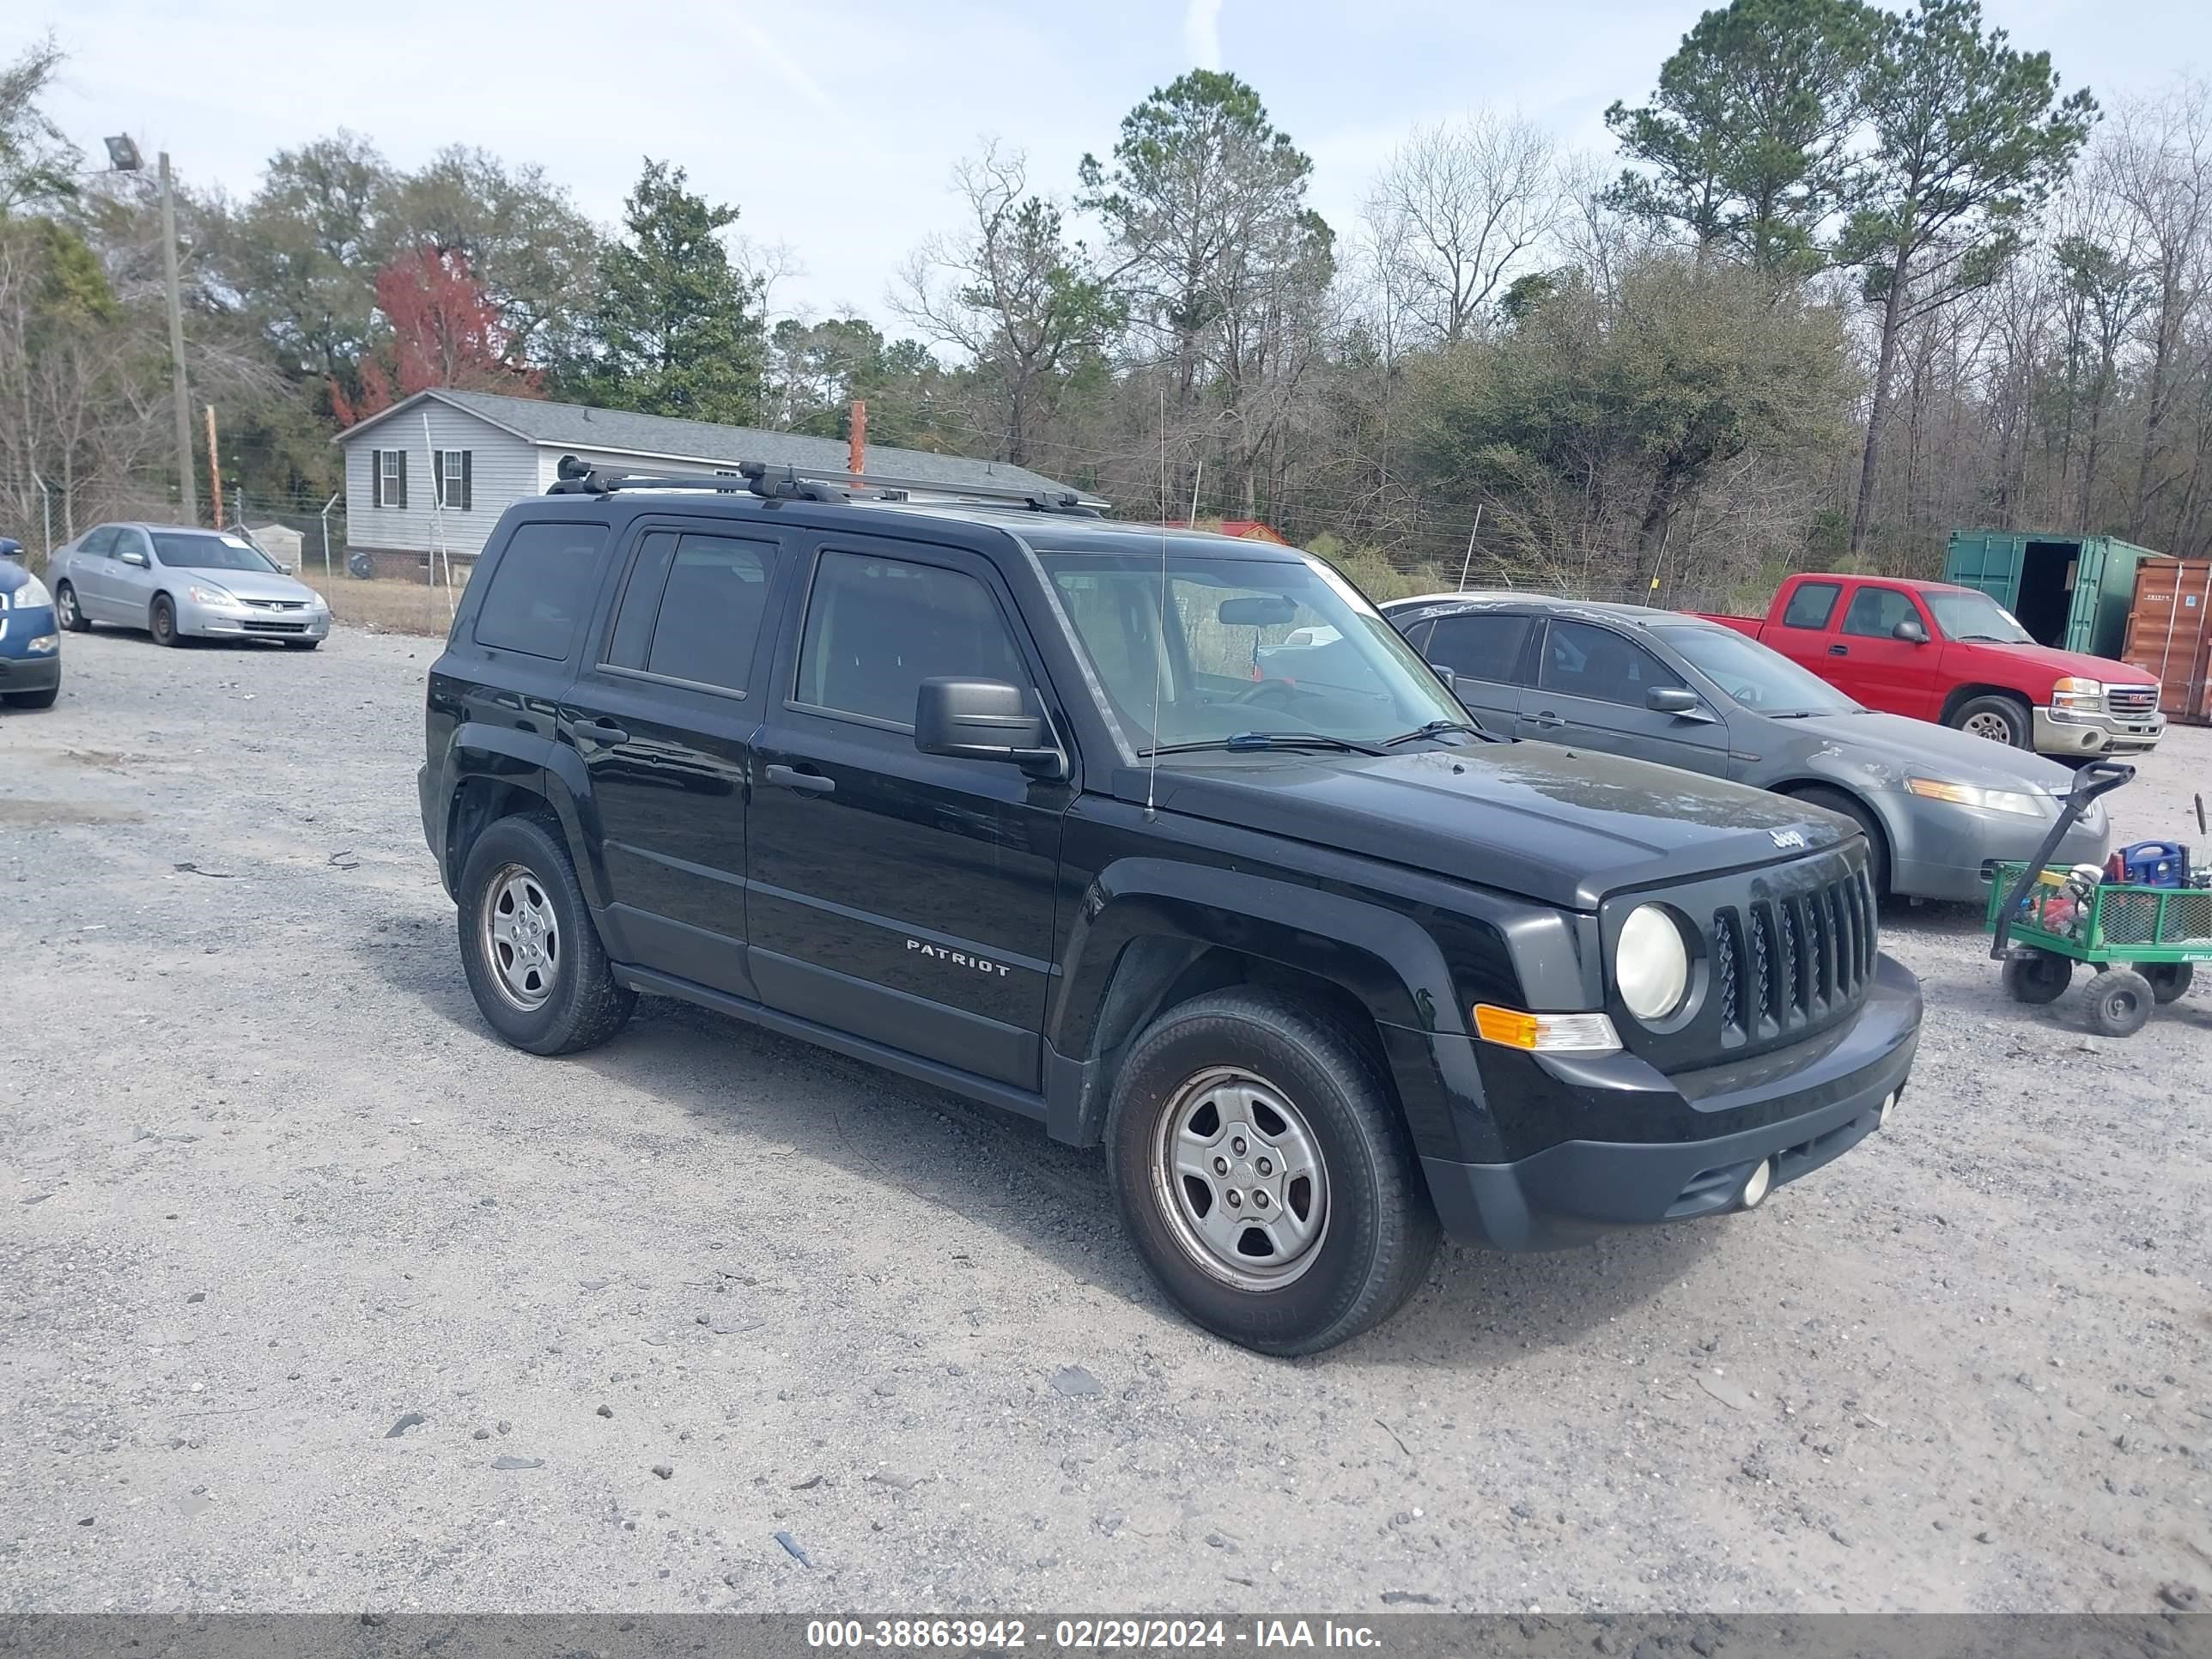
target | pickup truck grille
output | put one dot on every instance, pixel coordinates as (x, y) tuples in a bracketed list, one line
[(1786, 951), (2134, 703)]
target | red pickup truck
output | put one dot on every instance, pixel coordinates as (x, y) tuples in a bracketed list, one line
[(1956, 656)]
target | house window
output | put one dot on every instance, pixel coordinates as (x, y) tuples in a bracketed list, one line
[(453, 468), (389, 468)]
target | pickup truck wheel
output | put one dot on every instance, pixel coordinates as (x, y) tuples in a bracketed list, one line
[(2001, 720), (1264, 1176), (534, 961)]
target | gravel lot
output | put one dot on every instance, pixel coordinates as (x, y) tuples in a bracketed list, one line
[(303, 1263)]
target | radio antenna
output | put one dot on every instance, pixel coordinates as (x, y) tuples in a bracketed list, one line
[(1160, 637)]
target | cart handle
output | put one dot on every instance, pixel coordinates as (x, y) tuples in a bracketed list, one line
[(2099, 777)]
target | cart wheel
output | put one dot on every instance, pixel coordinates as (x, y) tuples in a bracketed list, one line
[(2119, 1003), (2169, 981), (2038, 978)]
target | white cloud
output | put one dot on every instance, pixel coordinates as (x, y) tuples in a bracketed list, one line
[(1201, 33)]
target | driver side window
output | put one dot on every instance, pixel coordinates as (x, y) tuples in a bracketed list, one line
[(1876, 611)]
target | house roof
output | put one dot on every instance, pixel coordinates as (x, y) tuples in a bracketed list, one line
[(662, 437)]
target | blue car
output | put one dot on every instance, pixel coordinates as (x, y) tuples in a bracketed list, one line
[(30, 643)]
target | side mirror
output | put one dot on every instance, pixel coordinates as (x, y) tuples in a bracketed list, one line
[(283, 569), (1673, 700), (1450, 680), (1909, 631), (985, 719), (132, 555)]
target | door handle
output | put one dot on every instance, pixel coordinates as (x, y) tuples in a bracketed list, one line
[(807, 783), (598, 731), (1546, 717), (1839, 651)]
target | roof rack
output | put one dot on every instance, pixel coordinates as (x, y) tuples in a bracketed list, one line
[(578, 478)]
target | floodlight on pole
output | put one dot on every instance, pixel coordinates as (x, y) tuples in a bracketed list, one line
[(123, 154)]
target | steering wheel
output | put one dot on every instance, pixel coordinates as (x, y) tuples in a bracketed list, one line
[(1262, 689)]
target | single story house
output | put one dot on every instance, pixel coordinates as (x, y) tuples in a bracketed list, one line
[(409, 491)]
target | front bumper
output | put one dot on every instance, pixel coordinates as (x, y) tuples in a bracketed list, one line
[(2063, 731), (251, 621), (1941, 848), (1804, 1107), (22, 668)]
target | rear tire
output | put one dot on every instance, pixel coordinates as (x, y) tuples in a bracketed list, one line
[(1999, 719), (1249, 1090), (161, 621), (69, 613), (2120, 1002), (33, 699), (533, 958), (1877, 843), (2169, 981), (2037, 979)]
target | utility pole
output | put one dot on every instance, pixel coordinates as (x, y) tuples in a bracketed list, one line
[(856, 446), (189, 495), (215, 468)]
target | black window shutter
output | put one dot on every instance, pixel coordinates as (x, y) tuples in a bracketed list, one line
[(376, 478), (437, 477), (468, 466), (400, 455)]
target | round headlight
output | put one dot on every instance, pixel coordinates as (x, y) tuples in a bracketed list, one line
[(1651, 963)]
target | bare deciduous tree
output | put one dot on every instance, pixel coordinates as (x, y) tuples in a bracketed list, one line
[(1460, 210)]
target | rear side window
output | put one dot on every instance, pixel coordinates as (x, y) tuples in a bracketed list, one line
[(1479, 646), (541, 588), (1876, 611), (692, 608), (1811, 605), (876, 628)]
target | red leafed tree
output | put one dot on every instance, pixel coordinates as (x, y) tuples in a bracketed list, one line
[(441, 331)]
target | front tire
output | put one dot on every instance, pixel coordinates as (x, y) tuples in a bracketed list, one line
[(302, 645), (161, 621), (2001, 720), (1877, 843), (2120, 1003), (69, 613), (32, 699), (1265, 1174), (533, 958)]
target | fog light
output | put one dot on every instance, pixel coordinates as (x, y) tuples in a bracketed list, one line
[(1761, 1184)]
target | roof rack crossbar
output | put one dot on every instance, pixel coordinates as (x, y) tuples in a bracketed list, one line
[(786, 483)]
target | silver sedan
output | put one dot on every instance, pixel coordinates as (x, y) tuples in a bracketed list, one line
[(179, 582)]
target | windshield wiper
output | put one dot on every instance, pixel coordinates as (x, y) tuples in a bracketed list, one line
[(1438, 728), (1990, 639), (1258, 740)]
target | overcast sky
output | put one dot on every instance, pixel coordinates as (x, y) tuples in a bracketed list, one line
[(833, 124)]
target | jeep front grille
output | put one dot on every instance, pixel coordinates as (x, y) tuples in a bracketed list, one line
[(1783, 963)]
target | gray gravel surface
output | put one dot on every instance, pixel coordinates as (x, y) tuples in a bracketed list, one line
[(319, 1298)]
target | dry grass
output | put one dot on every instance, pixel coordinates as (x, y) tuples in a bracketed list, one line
[(382, 605)]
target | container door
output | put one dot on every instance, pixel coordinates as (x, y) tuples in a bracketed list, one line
[(2088, 585)]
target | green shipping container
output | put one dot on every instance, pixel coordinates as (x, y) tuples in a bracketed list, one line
[(2070, 591)]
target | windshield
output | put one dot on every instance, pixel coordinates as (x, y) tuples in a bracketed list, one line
[(1242, 646), (1755, 675), (191, 551), (1968, 616)]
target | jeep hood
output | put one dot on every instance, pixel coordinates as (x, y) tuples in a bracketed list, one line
[(1564, 827)]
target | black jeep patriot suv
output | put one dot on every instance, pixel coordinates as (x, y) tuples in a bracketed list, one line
[(1164, 839)]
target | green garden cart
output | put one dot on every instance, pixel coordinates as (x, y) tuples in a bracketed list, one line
[(2145, 942)]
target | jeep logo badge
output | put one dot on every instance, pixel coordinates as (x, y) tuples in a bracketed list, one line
[(1788, 837)]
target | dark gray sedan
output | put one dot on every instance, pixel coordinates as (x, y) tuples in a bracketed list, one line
[(1667, 687)]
